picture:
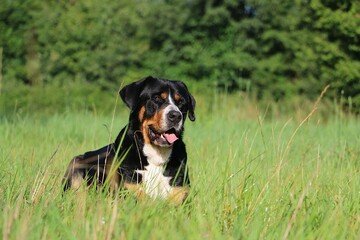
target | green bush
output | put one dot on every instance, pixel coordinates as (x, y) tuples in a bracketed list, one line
[(274, 49)]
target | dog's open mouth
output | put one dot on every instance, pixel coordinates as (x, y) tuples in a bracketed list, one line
[(163, 139)]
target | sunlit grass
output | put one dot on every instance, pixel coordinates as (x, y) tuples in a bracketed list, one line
[(251, 179)]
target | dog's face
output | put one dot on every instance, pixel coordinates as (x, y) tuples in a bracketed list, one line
[(160, 107)]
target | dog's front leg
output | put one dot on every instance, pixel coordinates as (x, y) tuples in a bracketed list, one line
[(178, 195)]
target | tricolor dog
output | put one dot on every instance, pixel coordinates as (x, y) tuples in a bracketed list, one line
[(148, 156)]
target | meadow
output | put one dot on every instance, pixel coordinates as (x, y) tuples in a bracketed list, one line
[(253, 177)]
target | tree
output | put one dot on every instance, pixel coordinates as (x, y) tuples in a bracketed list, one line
[(270, 49)]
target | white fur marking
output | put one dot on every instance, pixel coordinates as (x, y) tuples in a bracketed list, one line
[(157, 156), (155, 183), (170, 107)]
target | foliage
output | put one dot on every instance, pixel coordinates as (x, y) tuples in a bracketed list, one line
[(270, 49)]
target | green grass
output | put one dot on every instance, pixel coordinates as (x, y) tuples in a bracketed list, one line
[(251, 179)]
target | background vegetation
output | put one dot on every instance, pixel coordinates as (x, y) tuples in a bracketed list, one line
[(271, 50)]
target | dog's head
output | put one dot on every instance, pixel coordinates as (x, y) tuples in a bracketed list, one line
[(160, 107)]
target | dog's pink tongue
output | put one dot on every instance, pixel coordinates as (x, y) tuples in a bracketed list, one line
[(170, 137)]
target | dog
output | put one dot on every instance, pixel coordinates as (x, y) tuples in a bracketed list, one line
[(148, 157)]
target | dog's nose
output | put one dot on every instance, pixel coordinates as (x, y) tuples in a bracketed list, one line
[(174, 116)]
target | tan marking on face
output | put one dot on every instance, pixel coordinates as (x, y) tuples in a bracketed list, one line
[(164, 95), (178, 195), (176, 97), (141, 113), (144, 131), (154, 122)]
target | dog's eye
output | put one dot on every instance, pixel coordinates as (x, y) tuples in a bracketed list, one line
[(157, 98), (180, 102)]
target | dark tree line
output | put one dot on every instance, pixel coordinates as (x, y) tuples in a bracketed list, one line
[(275, 48)]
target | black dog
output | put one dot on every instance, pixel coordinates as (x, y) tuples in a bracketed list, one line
[(148, 157)]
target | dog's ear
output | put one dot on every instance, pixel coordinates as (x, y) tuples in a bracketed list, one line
[(192, 104), (130, 93), (190, 101)]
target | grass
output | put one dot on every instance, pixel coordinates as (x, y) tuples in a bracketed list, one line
[(251, 179)]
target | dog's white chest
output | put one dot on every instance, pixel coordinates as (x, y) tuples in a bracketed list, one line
[(155, 184)]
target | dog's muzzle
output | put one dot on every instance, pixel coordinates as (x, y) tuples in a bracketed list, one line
[(170, 128), (163, 139)]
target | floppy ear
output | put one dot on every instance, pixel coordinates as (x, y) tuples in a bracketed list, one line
[(191, 101), (130, 93), (192, 104)]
